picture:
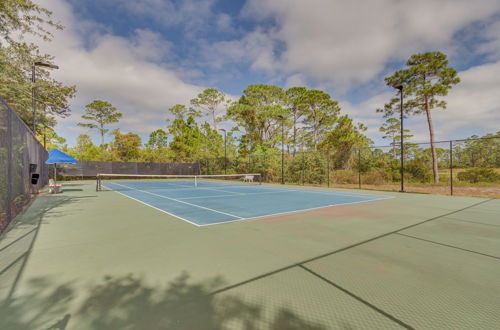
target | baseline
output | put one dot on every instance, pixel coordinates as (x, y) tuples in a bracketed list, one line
[(309, 191), (236, 194)]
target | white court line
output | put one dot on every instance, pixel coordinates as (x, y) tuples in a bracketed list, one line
[(193, 187), (179, 201), (290, 212), (317, 191), (227, 191), (238, 194), (228, 185), (158, 209), (170, 184), (185, 187), (180, 185), (278, 190)]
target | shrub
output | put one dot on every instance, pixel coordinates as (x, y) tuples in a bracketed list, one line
[(293, 168), (344, 176), (418, 170), (475, 175), (376, 176), (315, 168)]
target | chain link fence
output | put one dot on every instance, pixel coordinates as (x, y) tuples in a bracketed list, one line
[(20, 156), (469, 167)]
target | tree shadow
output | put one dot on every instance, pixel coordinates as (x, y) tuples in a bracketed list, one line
[(287, 319), (17, 242), (126, 302), (32, 310)]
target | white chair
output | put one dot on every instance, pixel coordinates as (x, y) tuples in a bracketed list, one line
[(54, 188), (248, 178)]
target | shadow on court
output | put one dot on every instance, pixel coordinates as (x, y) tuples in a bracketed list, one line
[(17, 243), (126, 302)]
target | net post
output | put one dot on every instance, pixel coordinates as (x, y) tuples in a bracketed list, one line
[(10, 163), (359, 168), (97, 183), (260, 178), (195, 181)]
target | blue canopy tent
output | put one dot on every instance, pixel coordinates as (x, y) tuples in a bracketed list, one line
[(57, 156)]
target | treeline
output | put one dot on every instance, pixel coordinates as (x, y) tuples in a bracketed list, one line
[(257, 123)]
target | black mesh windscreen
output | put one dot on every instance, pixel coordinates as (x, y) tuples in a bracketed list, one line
[(87, 169), (21, 155)]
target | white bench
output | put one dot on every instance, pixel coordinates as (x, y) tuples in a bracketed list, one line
[(54, 188), (248, 178)]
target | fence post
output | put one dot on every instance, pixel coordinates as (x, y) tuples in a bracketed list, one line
[(303, 167), (359, 168), (451, 168), (328, 168), (9, 165)]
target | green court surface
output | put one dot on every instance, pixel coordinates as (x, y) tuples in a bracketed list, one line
[(99, 260)]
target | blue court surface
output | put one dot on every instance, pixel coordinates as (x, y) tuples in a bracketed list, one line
[(215, 203)]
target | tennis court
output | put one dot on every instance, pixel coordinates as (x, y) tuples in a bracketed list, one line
[(88, 259), (213, 200)]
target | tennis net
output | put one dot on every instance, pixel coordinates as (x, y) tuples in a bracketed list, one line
[(149, 182)]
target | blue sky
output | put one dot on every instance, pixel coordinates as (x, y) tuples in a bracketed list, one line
[(145, 56)]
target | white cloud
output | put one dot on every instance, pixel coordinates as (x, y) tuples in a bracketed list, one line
[(295, 80), (365, 113), (150, 45), (257, 47), (474, 104), (224, 22), (492, 46), (124, 72), (350, 42)]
